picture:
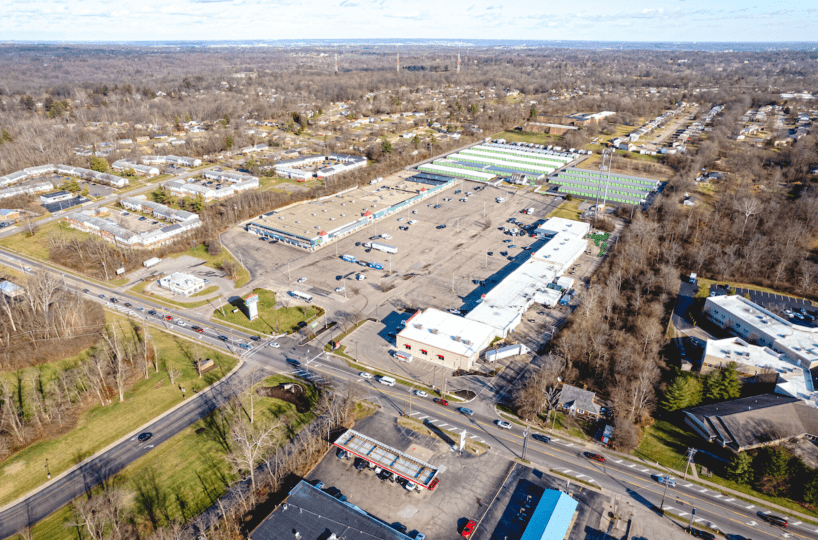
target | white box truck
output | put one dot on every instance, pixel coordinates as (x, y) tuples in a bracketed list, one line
[(384, 247), (506, 352), (151, 262)]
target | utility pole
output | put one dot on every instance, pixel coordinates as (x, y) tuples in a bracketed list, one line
[(525, 440), (690, 453)]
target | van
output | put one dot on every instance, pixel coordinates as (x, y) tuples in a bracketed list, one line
[(388, 381)]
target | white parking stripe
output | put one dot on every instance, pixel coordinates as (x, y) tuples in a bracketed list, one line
[(414, 413)]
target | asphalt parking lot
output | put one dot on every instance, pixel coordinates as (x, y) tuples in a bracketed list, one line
[(776, 303), (434, 267), (467, 483)]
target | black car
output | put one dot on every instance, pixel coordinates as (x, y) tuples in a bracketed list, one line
[(144, 436), (127, 304), (152, 312), (541, 438), (86, 291), (438, 206), (400, 528), (701, 534), (773, 519), (102, 296), (341, 454), (441, 226), (339, 278), (490, 253), (386, 475), (293, 362), (255, 338), (223, 338), (114, 300), (360, 464)]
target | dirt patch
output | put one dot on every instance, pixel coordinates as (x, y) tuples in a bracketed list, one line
[(290, 392), (465, 394)]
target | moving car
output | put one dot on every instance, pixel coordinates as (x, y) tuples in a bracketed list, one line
[(223, 338), (595, 457), (275, 345), (668, 481), (503, 424), (197, 329), (421, 393), (773, 519), (293, 362), (144, 436), (180, 322), (467, 412), (441, 401), (700, 533), (168, 318), (244, 346), (27, 268), (152, 312), (114, 300), (128, 304), (365, 375), (467, 529), (541, 438)]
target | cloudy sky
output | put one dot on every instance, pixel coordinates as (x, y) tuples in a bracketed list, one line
[(602, 20)]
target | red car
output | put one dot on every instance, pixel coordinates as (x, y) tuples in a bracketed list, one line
[(441, 401), (198, 329), (468, 528), (595, 457), (168, 318)]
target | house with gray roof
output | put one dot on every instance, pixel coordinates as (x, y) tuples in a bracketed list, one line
[(578, 402)]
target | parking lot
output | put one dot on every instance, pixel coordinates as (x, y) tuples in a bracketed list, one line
[(777, 303), (434, 266), (467, 483)]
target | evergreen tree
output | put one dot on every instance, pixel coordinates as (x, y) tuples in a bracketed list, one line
[(99, 164), (532, 114), (724, 384), (683, 392), (740, 469), (386, 146), (810, 494)]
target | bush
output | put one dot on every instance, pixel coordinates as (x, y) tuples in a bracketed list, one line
[(213, 246)]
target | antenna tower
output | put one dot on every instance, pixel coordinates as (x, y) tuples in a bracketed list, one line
[(397, 68)]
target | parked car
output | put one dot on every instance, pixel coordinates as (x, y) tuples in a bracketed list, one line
[(274, 345), (467, 529), (319, 484), (503, 424), (339, 289), (700, 533), (541, 438), (360, 464), (408, 485), (441, 401), (773, 519), (341, 454), (365, 375), (467, 412), (441, 226), (302, 280), (595, 457), (421, 393)]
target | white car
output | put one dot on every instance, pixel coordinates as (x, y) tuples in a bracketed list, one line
[(360, 277), (413, 221), (339, 289), (180, 322), (421, 393), (302, 280), (365, 375), (503, 424), (400, 219), (27, 268), (414, 211), (275, 345)]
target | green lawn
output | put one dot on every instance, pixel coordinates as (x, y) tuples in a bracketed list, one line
[(190, 469), (568, 210), (100, 425), (269, 320), (37, 246), (200, 252)]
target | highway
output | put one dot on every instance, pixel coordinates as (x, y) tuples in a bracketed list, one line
[(626, 478)]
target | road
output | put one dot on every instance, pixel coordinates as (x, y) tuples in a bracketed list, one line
[(623, 477)]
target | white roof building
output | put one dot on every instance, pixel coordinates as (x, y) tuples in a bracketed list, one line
[(556, 225), (181, 283), (562, 250)]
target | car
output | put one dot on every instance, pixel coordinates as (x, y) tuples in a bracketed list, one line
[(441, 401), (168, 318), (360, 277), (302, 280), (668, 481), (411, 222), (143, 218), (223, 338), (154, 223), (541, 438), (341, 454), (180, 322), (293, 362), (596, 457), (86, 291), (490, 253), (503, 424), (197, 329), (274, 345), (128, 304), (140, 309), (339, 278), (507, 241), (340, 289), (467, 529), (421, 393), (114, 300), (360, 464), (467, 412), (438, 206), (152, 312), (700, 533), (441, 226), (512, 246), (414, 211), (464, 200), (403, 228), (319, 484), (408, 485), (401, 219), (400, 528), (773, 519), (144, 436), (365, 375), (458, 192), (255, 338), (244, 346)]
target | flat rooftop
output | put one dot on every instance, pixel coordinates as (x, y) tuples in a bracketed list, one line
[(387, 457), (336, 212), (448, 332), (555, 225), (562, 249)]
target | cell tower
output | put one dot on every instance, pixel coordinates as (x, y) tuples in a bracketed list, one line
[(398, 62), (458, 59)]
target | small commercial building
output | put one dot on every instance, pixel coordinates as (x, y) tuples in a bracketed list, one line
[(182, 283), (443, 338), (10, 290), (562, 250), (555, 225), (56, 197), (310, 513), (552, 518)]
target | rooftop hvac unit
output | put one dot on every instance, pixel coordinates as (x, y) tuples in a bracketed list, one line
[(467, 342), (456, 338), (419, 326), (433, 330)]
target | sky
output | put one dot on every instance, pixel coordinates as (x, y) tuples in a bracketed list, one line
[(587, 20)]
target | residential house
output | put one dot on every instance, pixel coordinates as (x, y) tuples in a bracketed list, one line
[(578, 402)]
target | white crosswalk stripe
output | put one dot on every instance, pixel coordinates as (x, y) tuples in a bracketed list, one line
[(749, 507), (729, 500)]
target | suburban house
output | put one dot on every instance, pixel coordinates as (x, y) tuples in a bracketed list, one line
[(753, 422), (578, 402)]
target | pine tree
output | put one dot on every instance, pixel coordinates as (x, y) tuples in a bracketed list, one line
[(683, 392), (740, 469), (723, 384)]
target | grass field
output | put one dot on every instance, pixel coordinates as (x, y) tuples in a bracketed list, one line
[(100, 425), (269, 320), (568, 210), (189, 471), (200, 252), (37, 246)]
